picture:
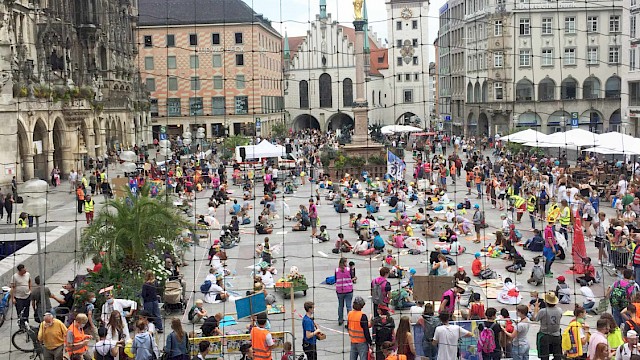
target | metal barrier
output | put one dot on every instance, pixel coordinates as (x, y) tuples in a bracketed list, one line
[(222, 346)]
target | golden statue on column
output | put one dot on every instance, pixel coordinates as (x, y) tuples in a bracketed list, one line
[(357, 9)]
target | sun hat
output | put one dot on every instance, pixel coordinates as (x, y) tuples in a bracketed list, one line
[(462, 285), (550, 298)]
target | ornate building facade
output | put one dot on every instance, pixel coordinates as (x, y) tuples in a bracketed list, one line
[(71, 89)]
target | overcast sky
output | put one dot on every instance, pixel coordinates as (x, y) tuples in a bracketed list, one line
[(294, 15)]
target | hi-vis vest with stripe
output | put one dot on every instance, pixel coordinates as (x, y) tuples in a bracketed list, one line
[(259, 344), (356, 332), (565, 216), (531, 203)]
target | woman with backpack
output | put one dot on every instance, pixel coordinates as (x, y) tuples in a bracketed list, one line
[(429, 323), (490, 335), (177, 343), (383, 329)]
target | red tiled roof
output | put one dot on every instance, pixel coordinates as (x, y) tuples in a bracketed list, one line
[(294, 44)]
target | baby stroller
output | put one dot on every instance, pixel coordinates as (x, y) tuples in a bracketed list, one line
[(172, 297)]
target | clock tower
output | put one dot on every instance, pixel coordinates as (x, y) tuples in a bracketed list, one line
[(407, 28)]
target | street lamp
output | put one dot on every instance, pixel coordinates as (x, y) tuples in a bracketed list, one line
[(35, 204)]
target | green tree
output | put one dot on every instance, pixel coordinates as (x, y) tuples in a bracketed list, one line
[(132, 232), (279, 130), (229, 145)]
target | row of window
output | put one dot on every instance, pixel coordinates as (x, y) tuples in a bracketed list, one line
[(591, 89), (195, 83), (194, 61), (547, 58), (400, 43), (570, 25), (414, 25), (170, 40), (401, 60), (196, 106), (408, 77)]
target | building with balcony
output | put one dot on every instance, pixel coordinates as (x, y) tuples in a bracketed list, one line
[(212, 64), (630, 95), (544, 65), (69, 86)]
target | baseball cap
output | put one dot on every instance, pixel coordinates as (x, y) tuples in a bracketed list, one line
[(561, 278), (477, 255), (632, 334), (476, 206)]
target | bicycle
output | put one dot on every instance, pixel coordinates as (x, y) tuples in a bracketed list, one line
[(25, 338)]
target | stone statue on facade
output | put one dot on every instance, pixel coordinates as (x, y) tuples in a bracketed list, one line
[(357, 9)]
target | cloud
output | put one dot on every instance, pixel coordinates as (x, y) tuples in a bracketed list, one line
[(294, 16)]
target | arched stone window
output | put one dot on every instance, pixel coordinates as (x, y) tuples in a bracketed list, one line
[(546, 90), (326, 96), (569, 89), (304, 94), (591, 88), (524, 90), (612, 88)]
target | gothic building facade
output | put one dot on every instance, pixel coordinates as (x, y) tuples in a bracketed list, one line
[(71, 87)]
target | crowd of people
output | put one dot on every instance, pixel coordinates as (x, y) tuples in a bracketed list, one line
[(560, 201)]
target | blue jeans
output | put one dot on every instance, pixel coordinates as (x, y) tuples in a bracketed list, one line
[(360, 351), (617, 316), (418, 334), (520, 351), (588, 306), (430, 350), (344, 299), (153, 308)]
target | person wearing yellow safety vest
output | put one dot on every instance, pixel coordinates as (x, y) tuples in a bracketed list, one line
[(576, 336), (565, 218), (261, 340), (358, 326), (532, 205), (23, 220), (520, 204), (88, 208)]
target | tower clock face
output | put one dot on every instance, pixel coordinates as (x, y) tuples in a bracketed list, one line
[(406, 13)]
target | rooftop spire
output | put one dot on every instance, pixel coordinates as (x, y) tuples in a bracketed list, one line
[(287, 53), (323, 9)]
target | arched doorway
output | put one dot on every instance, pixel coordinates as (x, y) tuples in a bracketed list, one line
[(472, 125), (40, 149), (339, 122), (615, 121), (556, 121), (406, 119), (589, 120), (23, 151), (305, 121), (483, 125), (59, 141)]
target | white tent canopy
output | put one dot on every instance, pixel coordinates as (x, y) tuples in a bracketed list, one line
[(391, 129), (525, 136), (619, 142), (607, 151), (569, 139), (263, 150)]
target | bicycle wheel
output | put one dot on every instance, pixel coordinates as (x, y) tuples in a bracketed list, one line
[(23, 341)]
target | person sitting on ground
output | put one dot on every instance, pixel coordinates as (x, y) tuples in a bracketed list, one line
[(324, 234), (262, 226), (211, 326), (589, 276), (199, 312), (342, 245)]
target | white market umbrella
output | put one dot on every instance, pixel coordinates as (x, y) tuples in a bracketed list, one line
[(607, 151), (525, 136), (619, 141), (391, 129), (581, 137)]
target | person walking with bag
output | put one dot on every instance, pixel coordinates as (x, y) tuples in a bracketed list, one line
[(344, 288), (150, 299), (144, 346)]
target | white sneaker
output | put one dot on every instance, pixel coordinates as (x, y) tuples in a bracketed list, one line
[(599, 262)]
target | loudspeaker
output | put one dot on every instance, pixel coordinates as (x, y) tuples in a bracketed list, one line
[(289, 148), (243, 153)]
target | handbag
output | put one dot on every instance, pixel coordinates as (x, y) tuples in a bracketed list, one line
[(153, 353)]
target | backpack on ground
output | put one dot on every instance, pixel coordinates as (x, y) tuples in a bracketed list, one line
[(618, 297), (487, 274), (192, 313), (206, 285), (487, 340), (377, 292)]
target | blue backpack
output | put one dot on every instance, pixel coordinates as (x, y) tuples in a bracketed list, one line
[(206, 285)]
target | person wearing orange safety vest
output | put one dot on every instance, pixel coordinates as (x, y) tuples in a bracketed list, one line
[(76, 342), (261, 340), (358, 326), (388, 350)]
